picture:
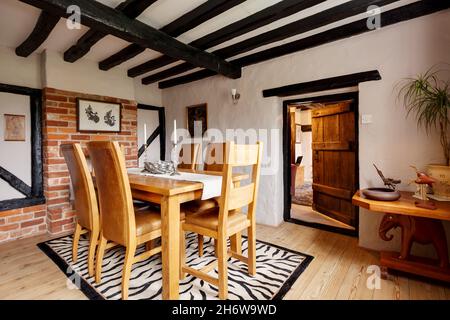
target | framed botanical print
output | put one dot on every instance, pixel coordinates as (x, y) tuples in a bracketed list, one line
[(197, 119), (14, 127), (98, 116)]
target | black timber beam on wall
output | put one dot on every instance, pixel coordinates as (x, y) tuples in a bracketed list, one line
[(44, 26), (334, 14), (404, 13), (161, 130), (15, 182), (339, 82), (131, 8), (261, 18), (35, 193), (110, 21), (186, 22)]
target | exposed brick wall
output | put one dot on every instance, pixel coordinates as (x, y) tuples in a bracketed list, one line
[(59, 127), (20, 223)]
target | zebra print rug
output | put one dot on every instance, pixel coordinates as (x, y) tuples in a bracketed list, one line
[(277, 269)]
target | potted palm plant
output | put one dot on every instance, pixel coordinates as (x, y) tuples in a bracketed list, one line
[(427, 97)]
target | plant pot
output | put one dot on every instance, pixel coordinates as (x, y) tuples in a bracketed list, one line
[(442, 175)]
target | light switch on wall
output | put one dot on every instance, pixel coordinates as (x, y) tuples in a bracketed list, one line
[(366, 118)]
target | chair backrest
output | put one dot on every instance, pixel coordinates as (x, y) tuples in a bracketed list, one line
[(86, 204), (114, 192), (214, 157), (188, 156), (236, 197)]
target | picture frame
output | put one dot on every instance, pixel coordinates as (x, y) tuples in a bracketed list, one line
[(15, 128), (298, 134), (98, 116), (197, 113)]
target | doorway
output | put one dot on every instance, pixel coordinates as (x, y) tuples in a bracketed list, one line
[(321, 161)]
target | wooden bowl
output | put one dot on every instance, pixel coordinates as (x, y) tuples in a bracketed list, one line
[(381, 194)]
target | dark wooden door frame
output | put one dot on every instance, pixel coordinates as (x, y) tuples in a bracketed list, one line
[(287, 199), (34, 194), (159, 131)]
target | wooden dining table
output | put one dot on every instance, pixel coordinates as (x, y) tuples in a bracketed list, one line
[(170, 194)]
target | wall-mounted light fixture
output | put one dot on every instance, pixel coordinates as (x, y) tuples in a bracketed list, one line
[(235, 96)]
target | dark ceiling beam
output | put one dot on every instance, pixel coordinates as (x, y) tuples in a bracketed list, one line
[(110, 21), (261, 18), (131, 8), (345, 81), (404, 13), (186, 22), (44, 26), (315, 21), (199, 75)]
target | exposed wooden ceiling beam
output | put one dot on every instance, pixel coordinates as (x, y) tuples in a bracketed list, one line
[(315, 21), (348, 80), (408, 12), (44, 26), (186, 22), (110, 21), (131, 8), (261, 18)]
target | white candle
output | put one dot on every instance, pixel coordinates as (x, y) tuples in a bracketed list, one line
[(175, 131), (145, 133)]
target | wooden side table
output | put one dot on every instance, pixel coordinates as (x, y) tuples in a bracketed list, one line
[(418, 225)]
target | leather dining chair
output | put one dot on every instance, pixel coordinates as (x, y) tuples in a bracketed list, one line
[(227, 220), (86, 205), (120, 223)]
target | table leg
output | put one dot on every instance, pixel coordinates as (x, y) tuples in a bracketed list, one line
[(170, 215), (424, 231)]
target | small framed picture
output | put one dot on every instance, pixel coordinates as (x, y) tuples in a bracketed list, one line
[(14, 127), (98, 116), (298, 134), (197, 119)]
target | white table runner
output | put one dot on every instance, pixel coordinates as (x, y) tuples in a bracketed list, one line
[(212, 185)]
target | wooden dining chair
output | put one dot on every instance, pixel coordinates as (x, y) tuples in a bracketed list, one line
[(120, 223), (86, 206), (227, 220), (188, 156), (213, 161)]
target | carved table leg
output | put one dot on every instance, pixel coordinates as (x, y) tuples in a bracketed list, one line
[(423, 231), (384, 272)]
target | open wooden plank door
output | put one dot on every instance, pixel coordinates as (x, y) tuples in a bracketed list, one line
[(335, 166)]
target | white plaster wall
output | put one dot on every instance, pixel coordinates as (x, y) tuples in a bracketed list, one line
[(15, 156), (20, 71), (85, 76), (147, 94), (394, 143)]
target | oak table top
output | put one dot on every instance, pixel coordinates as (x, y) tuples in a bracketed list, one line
[(404, 206), (168, 187)]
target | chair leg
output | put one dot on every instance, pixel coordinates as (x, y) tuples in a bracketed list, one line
[(183, 253), (100, 253), (200, 245), (236, 243), (76, 239), (149, 245), (223, 267), (129, 259), (91, 255), (215, 248), (251, 250)]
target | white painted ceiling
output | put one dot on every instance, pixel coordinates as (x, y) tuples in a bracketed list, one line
[(17, 20)]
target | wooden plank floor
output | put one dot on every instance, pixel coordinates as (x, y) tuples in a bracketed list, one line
[(338, 271)]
